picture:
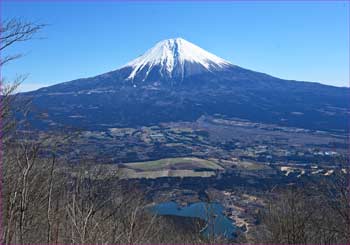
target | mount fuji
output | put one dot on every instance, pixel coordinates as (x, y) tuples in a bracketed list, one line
[(175, 59), (178, 81)]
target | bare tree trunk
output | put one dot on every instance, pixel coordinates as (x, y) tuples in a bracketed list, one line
[(49, 200)]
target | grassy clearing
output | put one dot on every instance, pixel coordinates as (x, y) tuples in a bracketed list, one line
[(177, 163), (132, 174), (251, 166)]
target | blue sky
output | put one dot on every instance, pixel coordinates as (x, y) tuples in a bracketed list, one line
[(306, 41)]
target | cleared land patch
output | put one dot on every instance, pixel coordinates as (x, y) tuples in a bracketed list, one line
[(132, 174), (190, 163)]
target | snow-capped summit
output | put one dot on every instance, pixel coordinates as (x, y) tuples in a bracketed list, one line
[(175, 58)]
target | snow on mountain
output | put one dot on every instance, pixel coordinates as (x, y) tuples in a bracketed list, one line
[(175, 58)]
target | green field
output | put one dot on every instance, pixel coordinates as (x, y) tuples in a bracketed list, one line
[(126, 173), (174, 163)]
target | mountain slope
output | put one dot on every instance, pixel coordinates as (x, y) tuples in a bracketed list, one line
[(178, 81)]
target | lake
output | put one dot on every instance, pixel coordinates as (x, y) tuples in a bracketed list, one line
[(219, 224)]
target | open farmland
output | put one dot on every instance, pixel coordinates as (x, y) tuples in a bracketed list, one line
[(174, 163)]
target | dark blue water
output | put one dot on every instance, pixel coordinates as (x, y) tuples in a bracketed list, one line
[(217, 223)]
